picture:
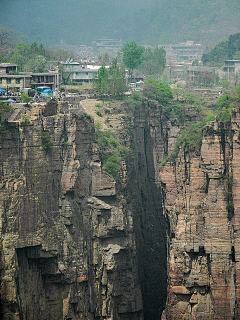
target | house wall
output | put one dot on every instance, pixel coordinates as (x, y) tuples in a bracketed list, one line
[(14, 84)]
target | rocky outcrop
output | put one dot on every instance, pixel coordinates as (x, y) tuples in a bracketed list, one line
[(77, 245), (67, 243), (201, 195)]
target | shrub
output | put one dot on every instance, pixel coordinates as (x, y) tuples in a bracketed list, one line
[(4, 108), (98, 125), (230, 210), (25, 97), (113, 142), (98, 112), (66, 144), (25, 120), (46, 141), (112, 164), (111, 152)]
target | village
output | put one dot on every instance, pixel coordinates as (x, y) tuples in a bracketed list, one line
[(183, 68)]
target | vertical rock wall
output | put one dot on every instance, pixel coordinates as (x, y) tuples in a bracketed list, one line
[(74, 245), (201, 201), (67, 242), (145, 200)]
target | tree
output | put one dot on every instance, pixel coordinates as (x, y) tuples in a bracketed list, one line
[(7, 41), (25, 98), (101, 82), (159, 57), (7, 36), (116, 79), (111, 81), (154, 61), (132, 55), (157, 90), (148, 65)]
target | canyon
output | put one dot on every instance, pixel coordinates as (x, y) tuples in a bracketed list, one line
[(158, 242)]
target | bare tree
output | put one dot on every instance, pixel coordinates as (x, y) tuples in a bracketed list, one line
[(6, 36)]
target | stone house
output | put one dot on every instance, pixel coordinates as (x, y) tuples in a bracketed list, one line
[(80, 73), (201, 75), (11, 80), (231, 68)]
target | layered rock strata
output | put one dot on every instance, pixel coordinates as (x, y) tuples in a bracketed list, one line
[(77, 245), (67, 242), (201, 199)]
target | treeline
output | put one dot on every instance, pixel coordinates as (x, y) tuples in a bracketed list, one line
[(148, 22), (29, 57), (225, 50), (112, 80)]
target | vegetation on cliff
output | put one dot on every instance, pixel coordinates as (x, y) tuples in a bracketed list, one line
[(191, 113), (110, 149), (5, 110)]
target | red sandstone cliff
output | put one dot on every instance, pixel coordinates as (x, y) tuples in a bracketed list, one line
[(202, 204)]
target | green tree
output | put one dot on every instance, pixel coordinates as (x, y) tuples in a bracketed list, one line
[(30, 57), (116, 78), (154, 61), (132, 55), (111, 81), (101, 82), (148, 65), (159, 57), (21, 55), (25, 97), (225, 50), (157, 90)]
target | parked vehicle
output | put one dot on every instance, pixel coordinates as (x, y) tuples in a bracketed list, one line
[(41, 89)]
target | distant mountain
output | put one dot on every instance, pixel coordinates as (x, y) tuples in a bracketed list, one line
[(148, 22)]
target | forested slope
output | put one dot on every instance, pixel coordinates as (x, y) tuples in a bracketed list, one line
[(153, 22)]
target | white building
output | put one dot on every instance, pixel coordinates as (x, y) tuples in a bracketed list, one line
[(81, 73)]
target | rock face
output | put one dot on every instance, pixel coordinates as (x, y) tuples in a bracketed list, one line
[(67, 244), (202, 203), (77, 245), (144, 197)]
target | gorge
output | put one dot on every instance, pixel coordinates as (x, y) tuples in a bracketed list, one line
[(158, 242)]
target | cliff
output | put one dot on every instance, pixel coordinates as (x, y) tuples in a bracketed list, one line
[(161, 242), (201, 201), (67, 246), (186, 216)]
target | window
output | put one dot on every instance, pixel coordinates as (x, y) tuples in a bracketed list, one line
[(18, 81), (9, 80)]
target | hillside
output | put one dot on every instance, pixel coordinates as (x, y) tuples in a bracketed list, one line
[(225, 50), (157, 22)]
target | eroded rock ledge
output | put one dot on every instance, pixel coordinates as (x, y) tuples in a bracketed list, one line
[(67, 244), (74, 245), (202, 203)]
